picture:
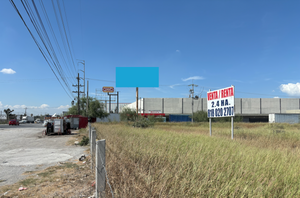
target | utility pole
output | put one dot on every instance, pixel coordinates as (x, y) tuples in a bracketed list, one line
[(137, 103), (87, 99), (83, 62), (79, 92), (25, 111), (192, 91)]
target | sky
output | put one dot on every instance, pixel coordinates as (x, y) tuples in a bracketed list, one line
[(253, 45)]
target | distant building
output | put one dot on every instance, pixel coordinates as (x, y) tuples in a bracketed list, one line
[(250, 109)]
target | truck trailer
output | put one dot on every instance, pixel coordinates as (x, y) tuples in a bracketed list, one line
[(28, 119)]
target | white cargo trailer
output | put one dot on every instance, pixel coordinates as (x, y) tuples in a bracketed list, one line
[(28, 119), (284, 118)]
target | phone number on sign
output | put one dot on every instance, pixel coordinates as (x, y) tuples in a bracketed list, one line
[(219, 112)]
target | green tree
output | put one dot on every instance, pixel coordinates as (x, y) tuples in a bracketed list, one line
[(128, 114), (96, 108)]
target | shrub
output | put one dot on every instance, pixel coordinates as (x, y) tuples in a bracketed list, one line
[(200, 116), (128, 114), (155, 119), (84, 141), (143, 122)]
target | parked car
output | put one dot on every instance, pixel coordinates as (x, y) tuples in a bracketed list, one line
[(22, 121), (13, 122), (37, 121)]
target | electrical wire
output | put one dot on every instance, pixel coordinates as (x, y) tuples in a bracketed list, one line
[(38, 45), (40, 28), (62, 20), (45, 37), (73, 72)]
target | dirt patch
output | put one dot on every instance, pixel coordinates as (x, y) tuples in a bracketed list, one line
[(68, 179)]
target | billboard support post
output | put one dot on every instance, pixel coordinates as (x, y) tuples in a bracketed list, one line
[(232, 127), (210, 127), (137, 103), (143, 77)]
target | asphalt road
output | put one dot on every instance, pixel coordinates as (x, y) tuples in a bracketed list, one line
[(25, 148), (25, 125)]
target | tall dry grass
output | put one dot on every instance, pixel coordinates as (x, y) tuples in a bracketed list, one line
[(182, 160)]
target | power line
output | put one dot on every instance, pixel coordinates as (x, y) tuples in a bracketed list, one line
[(44, 36), (45, 39), (36, 42), (62, 20), (55, 39)]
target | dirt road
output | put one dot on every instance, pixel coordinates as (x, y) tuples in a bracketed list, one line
[(25, 148)]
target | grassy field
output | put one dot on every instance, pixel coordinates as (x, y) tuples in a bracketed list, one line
[(182, 160)]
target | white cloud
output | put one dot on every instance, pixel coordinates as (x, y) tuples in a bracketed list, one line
[(291, 89), (276, 97), (43, 106), (159, 89), (178, 51), (193, 78), (7, 71), (1, 105), (172, 86), (63, 107), (19, 106)]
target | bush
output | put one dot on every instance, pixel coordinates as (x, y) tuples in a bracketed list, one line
[(200, 116), (155, 119), (128, 114), (143, 122), (84, 141)]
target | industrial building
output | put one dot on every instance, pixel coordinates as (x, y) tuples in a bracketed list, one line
[(251, 109)]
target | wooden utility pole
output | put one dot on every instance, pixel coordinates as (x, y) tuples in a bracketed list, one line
[(87, 99), (137, 102)]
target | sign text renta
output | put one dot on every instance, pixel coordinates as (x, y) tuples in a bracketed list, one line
[(220, 103)]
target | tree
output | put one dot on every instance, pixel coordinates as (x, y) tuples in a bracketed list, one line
[(96, 108), (8, 113), (128, 114)]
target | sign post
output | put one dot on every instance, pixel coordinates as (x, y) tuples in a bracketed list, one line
[(137, 103), (220, 103), (137, 77)]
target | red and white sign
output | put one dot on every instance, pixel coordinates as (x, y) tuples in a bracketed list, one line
[(220, 103), (108, 89)]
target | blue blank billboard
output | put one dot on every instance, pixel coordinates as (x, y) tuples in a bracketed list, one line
[(137, 77)]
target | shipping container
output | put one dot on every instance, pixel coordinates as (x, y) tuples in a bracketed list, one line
[(284, 118), (77, 121), (83, 122), (180, 118)]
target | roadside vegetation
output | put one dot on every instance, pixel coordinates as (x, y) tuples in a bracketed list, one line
[(182, 160)]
